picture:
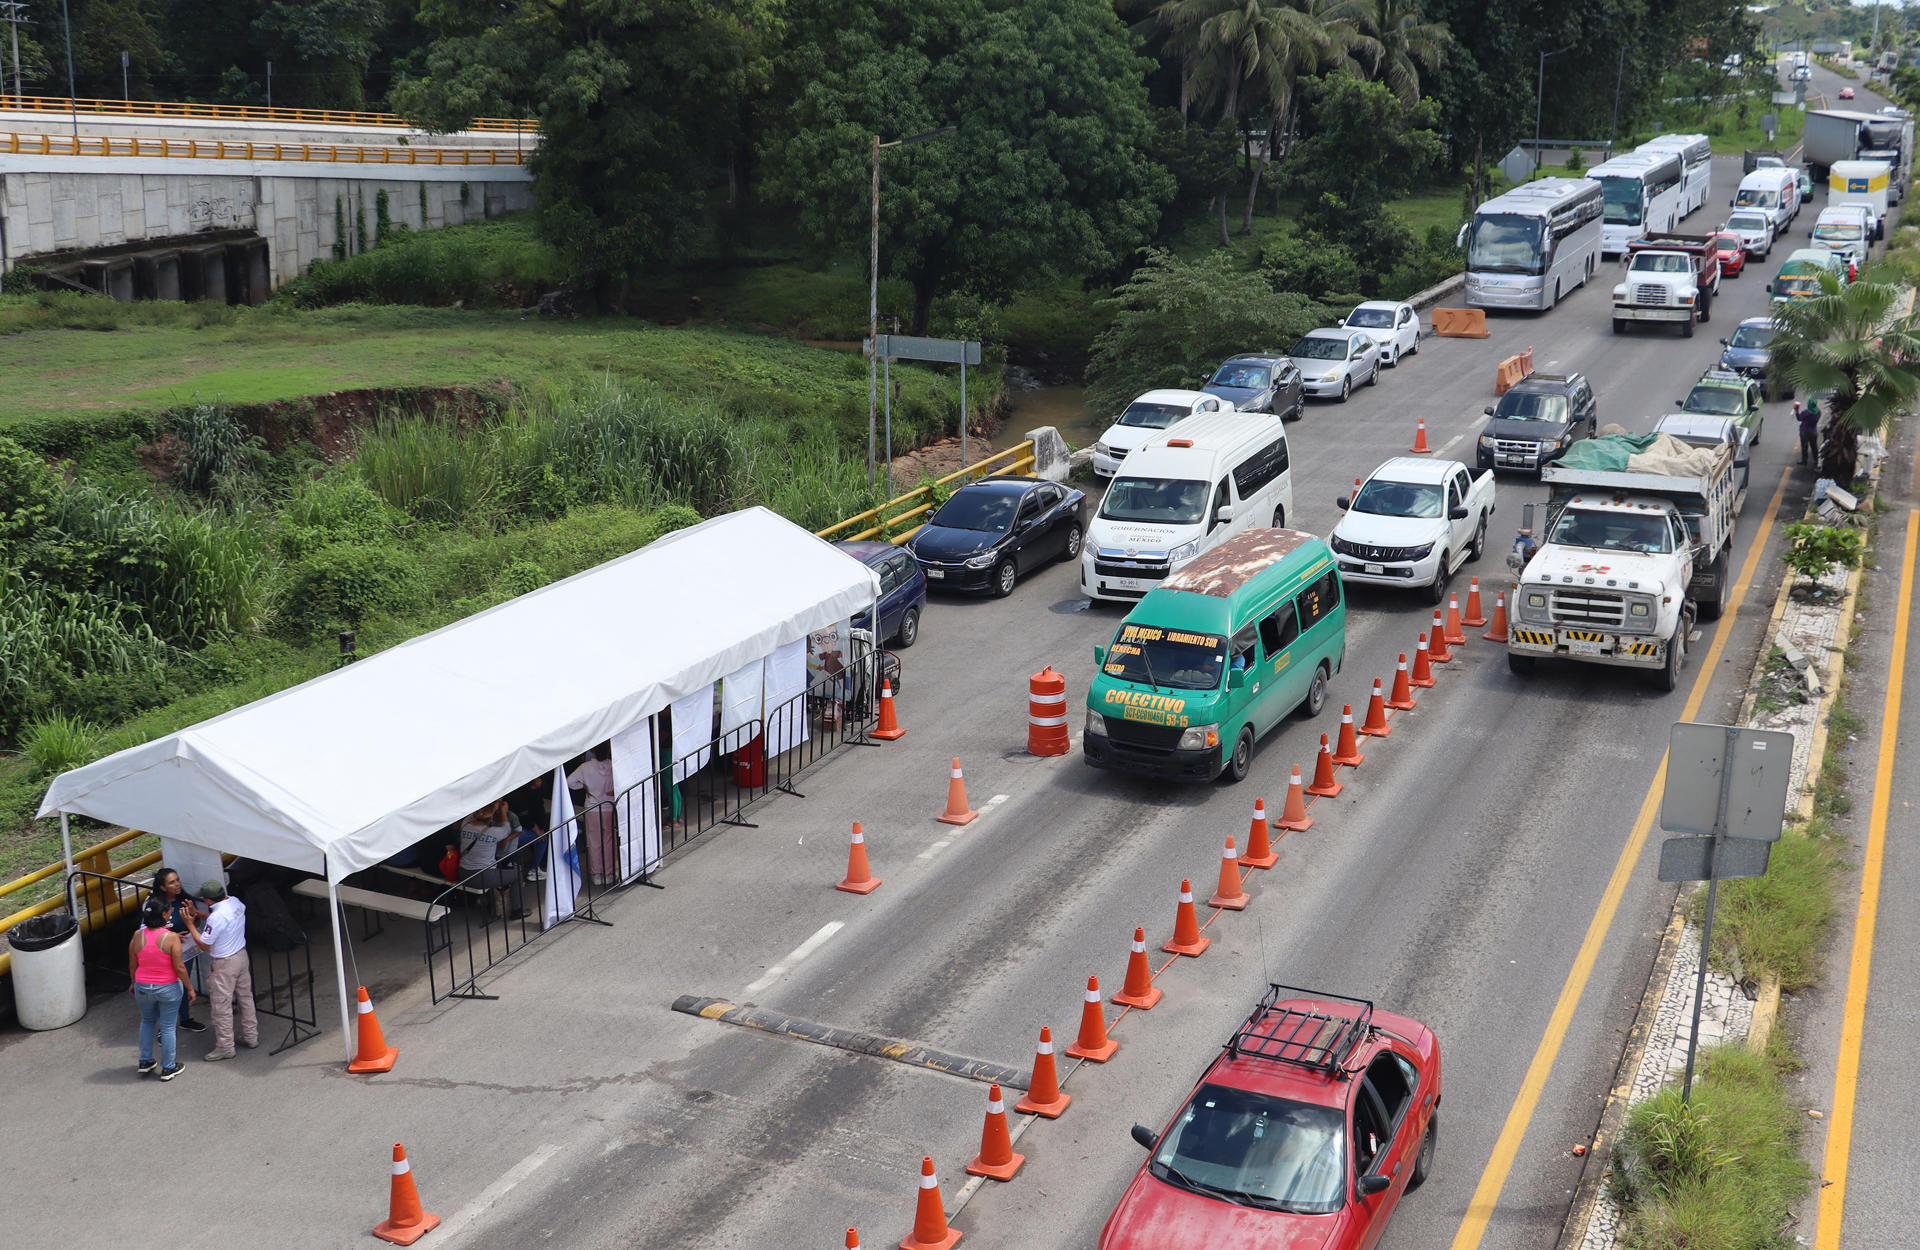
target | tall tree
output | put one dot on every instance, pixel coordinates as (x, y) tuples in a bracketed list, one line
[(1396, 41), (1046, 171), (1855, 344)]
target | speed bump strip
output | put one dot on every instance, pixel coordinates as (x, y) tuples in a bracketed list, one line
[(911, 1053)]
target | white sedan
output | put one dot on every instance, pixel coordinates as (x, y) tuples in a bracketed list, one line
[(1395, 326), (1145, 417), (1331, 362)]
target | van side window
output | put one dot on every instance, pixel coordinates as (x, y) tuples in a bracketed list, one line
[(1278, 629), (1318, 599), (1259, 469), (1242, 649)]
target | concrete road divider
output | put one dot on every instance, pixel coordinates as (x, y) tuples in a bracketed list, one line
[(406, 1223), (957, 813), (1402, 700), (1047, 713), (1498, 631), (860, 878), (1093, 1044), (996, 1159), (1293, 816), (930, 1231), (1139, 990), (1460, 323), (1187, 938), (1422, 665), (1230, 895), (1346, 752), (1260, 852), (1325, 784), (1043, 1088), (889, 727), (1475, 616), (1376, 725)]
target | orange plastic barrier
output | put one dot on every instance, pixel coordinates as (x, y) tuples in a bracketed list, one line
[(1512, 369), (1460, 323)]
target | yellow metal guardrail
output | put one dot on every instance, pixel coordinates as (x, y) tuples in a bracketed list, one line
[(16, 143), (96, 858), (884, 522), (237, 113)]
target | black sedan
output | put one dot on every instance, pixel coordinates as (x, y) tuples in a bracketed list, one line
[(989, 532)]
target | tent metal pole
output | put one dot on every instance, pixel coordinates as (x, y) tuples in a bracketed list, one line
[(66, 857), (339, 963)]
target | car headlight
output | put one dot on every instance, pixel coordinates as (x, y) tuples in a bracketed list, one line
[(1101, 449), (1640, 609), (1200, 737), (1096, 724), (1486, 442), (983, 561), (1420, 553), (1185, 551), (1332, 375)]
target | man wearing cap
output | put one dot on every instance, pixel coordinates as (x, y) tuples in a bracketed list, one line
[(230, 976)]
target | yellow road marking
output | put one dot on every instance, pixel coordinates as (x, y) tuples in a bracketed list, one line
[(1846, 1076), (1473, 1227)]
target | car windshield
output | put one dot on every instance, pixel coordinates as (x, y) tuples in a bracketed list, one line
[(1174, 659), (1241, 377), (1623, 196), (1371, 318), (1153, 416), (988, 511), (1311, 348), (1254, 1150), (1383, 498), (1657, 262), (1159, 501), (1521, 406), (1718, 401), (1751, 336), (1613, 531), (1758, 225), (1505, 243), (1750, 197), (1787, 286), (1836, 232)]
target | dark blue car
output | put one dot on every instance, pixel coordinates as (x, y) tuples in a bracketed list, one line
[(1749, 353), (989, 532), (903, 591)]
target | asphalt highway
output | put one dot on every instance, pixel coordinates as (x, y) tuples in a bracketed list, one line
[(1454, 880)]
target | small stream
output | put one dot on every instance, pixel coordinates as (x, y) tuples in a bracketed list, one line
[(1032, 403)]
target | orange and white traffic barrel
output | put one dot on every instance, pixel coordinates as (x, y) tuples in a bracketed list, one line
[(1047, 714)]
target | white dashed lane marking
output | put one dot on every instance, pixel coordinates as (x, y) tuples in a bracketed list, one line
[(798, 953)]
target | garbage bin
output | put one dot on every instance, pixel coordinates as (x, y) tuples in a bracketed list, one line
[(49, 976)]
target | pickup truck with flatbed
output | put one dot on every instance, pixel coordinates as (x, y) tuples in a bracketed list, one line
[(1412, 523), (1670, 278)]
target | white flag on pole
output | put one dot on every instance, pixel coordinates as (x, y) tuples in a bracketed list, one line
[(563, 857)]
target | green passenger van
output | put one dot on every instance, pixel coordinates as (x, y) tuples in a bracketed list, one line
[(1216, 655)]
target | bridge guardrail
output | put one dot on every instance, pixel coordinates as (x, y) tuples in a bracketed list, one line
[(19, 144), (882, 522), (239, 113), (96, 859)]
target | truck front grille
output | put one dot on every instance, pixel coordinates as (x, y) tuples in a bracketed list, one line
[(1649, 293), (1601, 609)]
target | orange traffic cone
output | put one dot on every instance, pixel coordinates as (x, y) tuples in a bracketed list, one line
[(1454, 635), (374, 1054), (1420, 438), (889, 727), (1043, 1089), (860, 880), (1346, 752), (1139, 991), (1402, 699), (1437, 649), (1293, 817), (1474, 617), (406, 1223), (1422, 670), (1231, 894), (1260, 852), (1187, 938), (853, 1239), (930, 1231), (957, 813), (1376, 726), (996, 1158), (1498, 632), (1325, 785), (1356, 491), (1093, 1042)]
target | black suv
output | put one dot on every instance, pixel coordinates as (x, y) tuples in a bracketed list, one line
[(1536, 421)]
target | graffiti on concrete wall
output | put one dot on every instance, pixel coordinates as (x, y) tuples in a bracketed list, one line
[(220, 213)]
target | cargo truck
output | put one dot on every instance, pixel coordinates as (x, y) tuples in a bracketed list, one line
[(1834, 135), (1671, 278), (1629, 556)]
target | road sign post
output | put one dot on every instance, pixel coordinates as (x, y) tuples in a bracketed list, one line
[(1727, 787), (963, 352)]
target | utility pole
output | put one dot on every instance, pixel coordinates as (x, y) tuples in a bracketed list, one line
[(73, 109), (873, 293), (1539, 97), (1619, 77), (126, 97), (14, 12), (269, 84)]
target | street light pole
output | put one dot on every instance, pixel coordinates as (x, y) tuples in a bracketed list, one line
[(873, 293), (1539, 98), (73, 110)]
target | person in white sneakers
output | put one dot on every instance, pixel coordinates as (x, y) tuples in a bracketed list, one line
[(229, 975)]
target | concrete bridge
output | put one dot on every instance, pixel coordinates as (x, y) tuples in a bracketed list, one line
[(171, 201)]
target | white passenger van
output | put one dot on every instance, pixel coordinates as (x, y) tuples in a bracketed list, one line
[(1186, 490), (1642, 191), (1696, 162), (1775, 192)]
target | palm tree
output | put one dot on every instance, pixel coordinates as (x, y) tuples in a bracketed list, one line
[(1395, 42), (1857, 346)]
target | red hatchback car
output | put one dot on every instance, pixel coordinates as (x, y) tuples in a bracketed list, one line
[(1732, 253), (1303, 1134)]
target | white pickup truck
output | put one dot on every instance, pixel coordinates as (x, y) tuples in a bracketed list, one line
[(1412, 524), (1630, 556)]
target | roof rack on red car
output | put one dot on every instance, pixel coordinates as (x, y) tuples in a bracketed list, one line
[(1317, 1040)]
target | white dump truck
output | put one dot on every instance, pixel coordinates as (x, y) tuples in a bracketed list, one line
[(1670, 278), (1637, 541)]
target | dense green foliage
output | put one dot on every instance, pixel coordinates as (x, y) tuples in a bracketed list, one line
[(493, 264), (1852, 345)]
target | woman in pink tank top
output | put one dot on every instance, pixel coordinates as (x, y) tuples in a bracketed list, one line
[(159, 981)]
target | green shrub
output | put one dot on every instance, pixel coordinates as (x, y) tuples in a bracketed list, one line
[(1814, 547), (427, 468), (57, 742), (334, 507), (215, 452), (345, 583), (496, 264)]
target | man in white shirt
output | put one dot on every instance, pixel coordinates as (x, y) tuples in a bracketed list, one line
[(229, 974)]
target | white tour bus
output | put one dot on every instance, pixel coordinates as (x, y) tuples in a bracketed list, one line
[(1527, 248), (1643, 196), (1696, 162)]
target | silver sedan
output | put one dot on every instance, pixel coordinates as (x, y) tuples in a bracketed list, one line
[(1332, 362)]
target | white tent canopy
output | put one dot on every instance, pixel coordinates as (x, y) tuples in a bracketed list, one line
[(340, 772)]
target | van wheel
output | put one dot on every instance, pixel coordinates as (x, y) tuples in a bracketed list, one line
[(1519, 665), (1242, 759), (1316, 700), (1279, 518), (1437, 593), (1479, 547)]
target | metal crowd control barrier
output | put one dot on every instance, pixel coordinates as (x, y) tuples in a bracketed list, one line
[(16, 143), (884, 522), (238, 113), (713, 787), (110, 907)]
